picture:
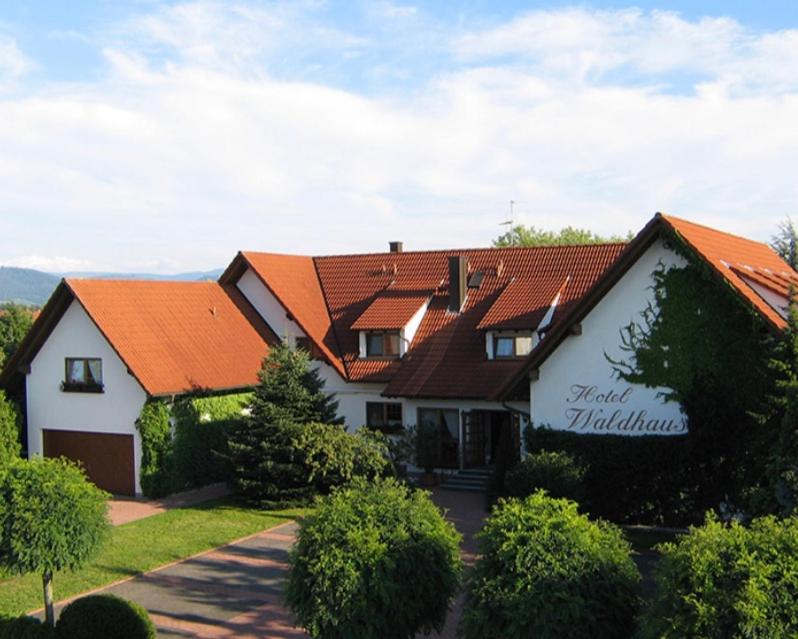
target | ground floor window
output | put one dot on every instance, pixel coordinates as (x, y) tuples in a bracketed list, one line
[(384, 415)]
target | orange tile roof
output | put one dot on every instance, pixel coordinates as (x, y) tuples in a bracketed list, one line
[(176, 337), (732, 256), (523, 303), (293, 281), (391, 310)]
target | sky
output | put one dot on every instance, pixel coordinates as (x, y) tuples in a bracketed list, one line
[(165, 136)]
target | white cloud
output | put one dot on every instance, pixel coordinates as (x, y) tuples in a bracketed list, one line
[(586, 44), (175, 161), (13, 63)]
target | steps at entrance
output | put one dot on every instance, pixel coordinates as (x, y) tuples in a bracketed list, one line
[(472, 480)]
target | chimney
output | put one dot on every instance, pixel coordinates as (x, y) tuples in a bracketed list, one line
[(395, 247), (458, 274)]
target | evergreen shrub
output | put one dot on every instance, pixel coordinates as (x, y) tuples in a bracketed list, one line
[(374, 561), (106, 616), (545, 570), (727, 581), (555, 472)]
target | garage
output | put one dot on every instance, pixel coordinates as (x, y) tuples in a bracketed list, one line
[(107, 458)]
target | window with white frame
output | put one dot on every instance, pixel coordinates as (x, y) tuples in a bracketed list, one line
[(506, 346)]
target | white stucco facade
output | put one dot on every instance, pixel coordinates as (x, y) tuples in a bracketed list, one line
[(113, 411), (268, 307), (577, 389)]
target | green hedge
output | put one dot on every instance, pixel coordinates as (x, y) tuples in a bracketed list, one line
[(544, 570), (640, 480), (185, 445), (106, 616), (727, 581), (374, 561), (24, 628)]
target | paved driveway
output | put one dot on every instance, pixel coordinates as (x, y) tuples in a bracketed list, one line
[(236, 590)]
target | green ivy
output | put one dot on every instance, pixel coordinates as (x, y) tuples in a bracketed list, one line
[(156, 449), (184, 445), (710, 350)]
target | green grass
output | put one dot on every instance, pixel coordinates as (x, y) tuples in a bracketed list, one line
[(143, 545)]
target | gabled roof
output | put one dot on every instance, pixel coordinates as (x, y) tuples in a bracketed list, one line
[(391, 309), (729, 256), (174, 337), (523, 303), (293, 281)]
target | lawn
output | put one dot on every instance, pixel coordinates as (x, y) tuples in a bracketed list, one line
[(146, 544)]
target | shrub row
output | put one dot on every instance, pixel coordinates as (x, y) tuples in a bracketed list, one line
[(106, 616), (626, 479)]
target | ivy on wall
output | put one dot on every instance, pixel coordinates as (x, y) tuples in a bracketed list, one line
[(710, 351), (183, 444)]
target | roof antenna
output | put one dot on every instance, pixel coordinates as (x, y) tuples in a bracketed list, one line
[(510, 222)]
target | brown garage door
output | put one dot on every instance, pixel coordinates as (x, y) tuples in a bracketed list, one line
[(108, 459)]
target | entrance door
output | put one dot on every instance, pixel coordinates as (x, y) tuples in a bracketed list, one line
[(107, 459), (474, 445)]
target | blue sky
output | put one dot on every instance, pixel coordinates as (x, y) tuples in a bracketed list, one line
[(155, 136)]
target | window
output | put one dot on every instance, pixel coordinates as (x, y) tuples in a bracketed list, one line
[(382, 344), (447, 423), (512, 346), (83, 374), (384, 415)]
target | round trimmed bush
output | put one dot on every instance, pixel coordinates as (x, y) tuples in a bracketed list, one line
[(546, 570), (727, 581), (554, 471), (374, 561), (24, 628), (106, 616)]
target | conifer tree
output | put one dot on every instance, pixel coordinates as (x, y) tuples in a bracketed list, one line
[(266, 468)]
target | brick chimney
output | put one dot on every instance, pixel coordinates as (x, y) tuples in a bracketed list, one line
[(395, 247)]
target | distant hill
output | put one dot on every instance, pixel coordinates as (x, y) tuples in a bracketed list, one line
[(25, 285), (28, 286)]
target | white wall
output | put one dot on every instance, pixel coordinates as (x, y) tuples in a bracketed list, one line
[(577, 389), (114, 411), (268, 307)]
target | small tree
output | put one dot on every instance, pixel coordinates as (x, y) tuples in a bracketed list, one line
[(374, 561), (290, 391), (267, 467), (785, 242), (9, 430), (15, 322), (51, 518)]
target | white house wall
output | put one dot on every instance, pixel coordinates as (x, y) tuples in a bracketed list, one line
[(48, 407), (273, 313), (577, 389)]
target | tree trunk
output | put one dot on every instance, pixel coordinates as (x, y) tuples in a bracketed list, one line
[(49, 613)]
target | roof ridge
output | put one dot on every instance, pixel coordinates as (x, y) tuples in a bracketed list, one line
[(472, 250), (668, 218)]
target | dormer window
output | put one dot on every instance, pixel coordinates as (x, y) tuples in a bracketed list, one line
[(382, 344), (508, 346)]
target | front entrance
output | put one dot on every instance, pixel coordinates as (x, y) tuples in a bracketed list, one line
[(489, 435), (107, 458)]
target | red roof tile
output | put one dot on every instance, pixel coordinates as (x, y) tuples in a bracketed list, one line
[(293, 281), (390, 310), (523, 303), (727, 254), (177, 336)]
